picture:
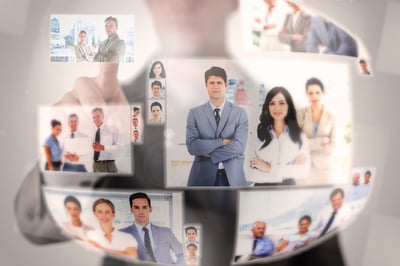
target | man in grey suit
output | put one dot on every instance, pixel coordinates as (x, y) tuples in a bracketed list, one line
[(113, 48), (155, 243), (327, 38), (295, 28), (216, 134)]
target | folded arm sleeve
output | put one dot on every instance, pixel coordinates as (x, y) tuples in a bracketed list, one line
[(196, 145), (237, 146)]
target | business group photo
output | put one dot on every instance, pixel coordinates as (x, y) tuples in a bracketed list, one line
[(281, 121)]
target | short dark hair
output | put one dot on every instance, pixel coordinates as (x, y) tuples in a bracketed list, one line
[(156, 83), (98, 109), (315, 81), (336, 191), (368, 172), (139, 195), (73, 115), (155, 104), (54, 123), (136, 108), (362, 61), (73, 200), (111, 18), (191, 245), (216, 71), (106, 201), (190, 228), (305, 217), (82, 31)]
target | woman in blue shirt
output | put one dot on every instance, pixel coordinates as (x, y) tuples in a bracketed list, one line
[(52, 147)]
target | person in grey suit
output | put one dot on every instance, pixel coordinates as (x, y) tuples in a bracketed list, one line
[(327, 38), (113, 48), (295, 28), (216, 134), (155, 243)]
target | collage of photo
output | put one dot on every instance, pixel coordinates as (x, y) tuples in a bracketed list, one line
[(274, 132)]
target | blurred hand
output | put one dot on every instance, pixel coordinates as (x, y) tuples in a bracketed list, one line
[(256, 162), (301, 159), (104, 89)]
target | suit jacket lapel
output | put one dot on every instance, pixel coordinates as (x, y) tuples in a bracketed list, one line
[(224, 117), (136, 234), (156, 236), (207, 109)]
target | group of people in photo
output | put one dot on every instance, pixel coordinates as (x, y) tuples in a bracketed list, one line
[(75, 150), (141, 240), (293, 144), (310, 227), (284, 25)]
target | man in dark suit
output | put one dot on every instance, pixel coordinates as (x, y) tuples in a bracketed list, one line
[(155, 243), (216, 134)]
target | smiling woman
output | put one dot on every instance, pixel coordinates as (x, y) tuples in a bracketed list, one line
[(284, 153), (107, 237)]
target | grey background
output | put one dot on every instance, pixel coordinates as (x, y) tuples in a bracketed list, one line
[(371, 240)]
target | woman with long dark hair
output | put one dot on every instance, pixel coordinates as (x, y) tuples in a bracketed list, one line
[(157, 70), (284, 153)]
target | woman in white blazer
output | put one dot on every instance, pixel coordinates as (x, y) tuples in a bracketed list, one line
[(283, 155), (319, 125)]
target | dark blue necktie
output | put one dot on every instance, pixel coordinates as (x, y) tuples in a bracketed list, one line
[(217, 116), (328, 224)]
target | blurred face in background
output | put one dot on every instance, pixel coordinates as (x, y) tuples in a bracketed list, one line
[(191, 27), (73, 210), (110, 27)]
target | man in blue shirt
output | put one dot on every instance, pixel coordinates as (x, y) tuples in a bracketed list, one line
[(262, 246)]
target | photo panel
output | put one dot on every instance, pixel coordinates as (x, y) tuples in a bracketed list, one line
[(137, 123), (291, 26), (277, 223), (157, 89), (90, 139), (105, 221), (92, 38), (192, 235), (362, 176), (156, 114), (320, 153)]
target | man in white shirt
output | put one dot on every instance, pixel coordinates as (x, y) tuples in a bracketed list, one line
[(74, 159), (105, 144), (334, 216)]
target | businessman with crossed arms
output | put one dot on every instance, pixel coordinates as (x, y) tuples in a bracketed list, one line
[(216, 134)]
